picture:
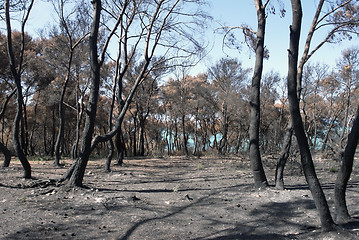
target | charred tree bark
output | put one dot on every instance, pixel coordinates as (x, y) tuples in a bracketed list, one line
[(321, 204), (142, 122), (260, 179), (345, 172), (24, 129), (109, 157), (289, 132), (117, 80), (81, 162), (185, 147), (53, 133), (7, 155), (62, 114), (279, 172), (3, 148), (17, 78), (120, 147), (16, 141), (224, 140), (74, 149), (44, 137), (33, 127), (134, 136)]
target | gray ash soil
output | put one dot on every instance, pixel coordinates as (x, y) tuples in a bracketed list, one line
[(168, 198)]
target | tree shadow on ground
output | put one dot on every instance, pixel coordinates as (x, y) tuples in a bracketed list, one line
[(268, 217), (154, 216)]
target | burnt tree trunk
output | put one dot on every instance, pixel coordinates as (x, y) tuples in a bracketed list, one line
[(53, 133), (44, 137), (17, 78), (345, 172), (142, 122), (3, 148), (7, 155), (74, 149), (279, 172), (16, 141), (320, 201), (120, 147), (81, 162), (223, 142), (109, 157), (24, 129), (61, 113), (260, 179), (134, 136), (185, 147), (289, 132)]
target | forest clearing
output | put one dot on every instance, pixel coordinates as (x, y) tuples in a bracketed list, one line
[(168, 198), (246, 152)]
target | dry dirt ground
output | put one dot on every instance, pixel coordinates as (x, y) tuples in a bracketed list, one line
[(167, 198)]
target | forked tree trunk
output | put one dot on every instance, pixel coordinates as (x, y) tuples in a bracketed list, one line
[(320, 201), (260, 179), (344, 173)]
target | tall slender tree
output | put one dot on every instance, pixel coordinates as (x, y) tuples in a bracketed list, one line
[(341, 20), (320, 201), (260, 179), (16, 70), (81, 163)]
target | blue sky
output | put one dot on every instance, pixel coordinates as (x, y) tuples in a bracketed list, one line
[(235, 13)]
